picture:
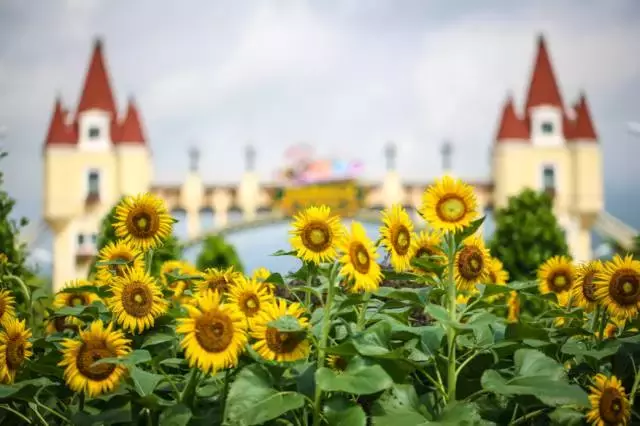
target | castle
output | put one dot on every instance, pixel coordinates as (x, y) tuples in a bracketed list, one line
[(93, 155)]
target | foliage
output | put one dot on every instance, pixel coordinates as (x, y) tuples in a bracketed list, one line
[(409, 353), (217, 253), (527, 234), (169, 251), (10, 245)]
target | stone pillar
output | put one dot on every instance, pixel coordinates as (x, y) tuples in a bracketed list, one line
[(193, 223)]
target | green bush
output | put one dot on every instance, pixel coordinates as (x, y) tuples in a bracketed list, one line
[(527, 234), (217, 253)]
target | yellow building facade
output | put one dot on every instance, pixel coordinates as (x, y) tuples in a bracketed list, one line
[(96, 154)]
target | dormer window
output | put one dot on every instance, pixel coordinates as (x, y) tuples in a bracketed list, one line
[(547, 128), (94, 132)]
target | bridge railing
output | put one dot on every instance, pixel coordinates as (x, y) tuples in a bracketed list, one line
[(611, 227)]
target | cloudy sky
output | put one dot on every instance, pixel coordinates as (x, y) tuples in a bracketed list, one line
[(346, 76)]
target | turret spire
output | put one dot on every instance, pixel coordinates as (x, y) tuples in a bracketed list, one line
[(96, 93), (543, 89)]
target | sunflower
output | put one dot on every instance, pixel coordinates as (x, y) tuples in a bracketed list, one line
[(513, 307), (143, 220), (58, 324), (471, 263), (15, 348), (496, 273), (219, 280), (583, 292), (618, 287), (7, 306), (428, 245), (557, 275), (359, 260), (177, 267), (398, 237), (119, 250), (249, 297), (137, 301), (261, 275), (281, 346), (609, 403), (78, 298), (215, 334), (337, 363), (614, 325), (315, 234), (449, 204), (80, 354)]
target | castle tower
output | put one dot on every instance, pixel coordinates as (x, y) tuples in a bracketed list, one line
[(91, 158), (551, 149)]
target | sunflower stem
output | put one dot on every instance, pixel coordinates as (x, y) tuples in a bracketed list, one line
[(23, 287), (634, 388), (324, 337), (149, 261), (596, 317), (189, 391), (451, 331), (225, 391), (362, 314), (604, 319)]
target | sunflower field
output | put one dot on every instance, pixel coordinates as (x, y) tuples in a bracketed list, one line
[(433, 333)]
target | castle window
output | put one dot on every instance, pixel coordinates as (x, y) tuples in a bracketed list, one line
[(547, 128), (94, 238), (94, 182), (549, 178), (80, 239), (94, 133)]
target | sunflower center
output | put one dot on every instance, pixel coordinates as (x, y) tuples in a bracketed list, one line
[(118, 270), (470, 263), (137, 299), (218, 284), (402, 240), (624, 287), (214, 332), (15, 354), (425, 251), (611, 404), (250, 304), (316, 236), (588, 287), (89, 353), (451, 208), (493, 278), (559, 281), (77, 301), (359, 257), (143, 222), (282, 342)]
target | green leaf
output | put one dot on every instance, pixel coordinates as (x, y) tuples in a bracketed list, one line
[(275, 278), (579, 349), (287, 324), (459, 414), (120, 415), (398, 406), (431, 340), (284, 253), (157, 338), (135, 357), (551, 392), (112, 262), (143, 381), (252, 400), (341, 412), (25, 387), (469, 230), (530, 362), (566, 417), (437, 312), (358, 378), (176, 415)]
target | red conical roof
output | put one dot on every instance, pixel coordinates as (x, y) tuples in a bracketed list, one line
[(59, 132), (131, 129), (511, 126), (97, 93), (583, 125), (543, 89)]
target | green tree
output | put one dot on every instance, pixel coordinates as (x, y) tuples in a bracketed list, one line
[(170, 250), (527, 234), (10, 246), (217, 253)]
